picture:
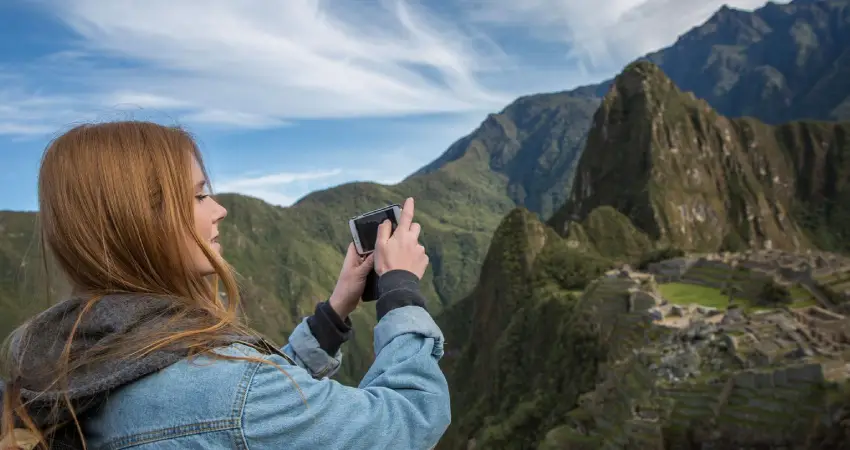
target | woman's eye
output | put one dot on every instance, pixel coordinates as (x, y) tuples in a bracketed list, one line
[(201, 197)]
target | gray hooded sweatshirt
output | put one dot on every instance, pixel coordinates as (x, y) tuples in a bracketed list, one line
[(37, 347)]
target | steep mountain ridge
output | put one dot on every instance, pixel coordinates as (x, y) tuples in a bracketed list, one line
[(496, 363), (693, 179), (738, 61), (534, 142)]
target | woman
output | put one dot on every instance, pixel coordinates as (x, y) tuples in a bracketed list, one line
[(145, 355)]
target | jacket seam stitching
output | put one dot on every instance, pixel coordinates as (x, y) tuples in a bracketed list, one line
[(240, 399), (173, 432), (245, 402)]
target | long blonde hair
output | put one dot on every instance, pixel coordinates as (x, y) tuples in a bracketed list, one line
[(115, 200)]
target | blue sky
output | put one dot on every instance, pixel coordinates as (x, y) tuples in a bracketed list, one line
[(290, 96)]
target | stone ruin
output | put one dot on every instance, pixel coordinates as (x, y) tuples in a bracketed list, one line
[(785, 376), (702, 338), (713, 366), (824, 324), (671, 269), (707, 339), (728, 369), (781, 265), (793, 266)]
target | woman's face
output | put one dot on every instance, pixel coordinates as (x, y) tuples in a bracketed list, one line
[(208, 213)]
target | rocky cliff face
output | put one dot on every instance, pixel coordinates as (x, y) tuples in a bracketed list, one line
[(779, 63), (693, 179)]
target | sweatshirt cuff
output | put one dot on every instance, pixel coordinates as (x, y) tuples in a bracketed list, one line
[(396, 289), (328, 328)]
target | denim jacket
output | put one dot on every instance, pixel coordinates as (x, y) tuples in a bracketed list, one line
[(401, 403)]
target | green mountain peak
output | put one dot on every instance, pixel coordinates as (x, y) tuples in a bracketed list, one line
[(696, 180)]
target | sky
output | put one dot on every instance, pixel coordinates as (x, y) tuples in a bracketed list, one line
[(290, 96)]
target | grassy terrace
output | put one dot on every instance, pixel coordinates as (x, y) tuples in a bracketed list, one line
[(686, 294)]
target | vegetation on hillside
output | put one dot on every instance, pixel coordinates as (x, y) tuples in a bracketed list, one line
[(507, 376)]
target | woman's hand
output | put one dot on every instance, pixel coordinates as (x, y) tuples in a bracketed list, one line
[(401, 250), (351, 283)]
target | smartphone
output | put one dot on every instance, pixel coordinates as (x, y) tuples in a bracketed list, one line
[(364, 227), (364, 232)]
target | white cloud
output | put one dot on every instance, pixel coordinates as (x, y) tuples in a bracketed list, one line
[(273, 197), (22, 129), (25, 113), (281, 189), (602, 35), (264, 62), (264, 181), (234, 118), (142, 100)]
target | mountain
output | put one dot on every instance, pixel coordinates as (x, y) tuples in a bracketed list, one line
[(548, 353), (693, 179), (779, 63), (534, 143), (509, 345), (738, 61)]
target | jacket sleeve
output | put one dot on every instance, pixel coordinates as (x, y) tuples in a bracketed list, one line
[(401, 403), (315, 343)]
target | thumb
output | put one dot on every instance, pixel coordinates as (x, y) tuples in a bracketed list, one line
[(359, 269), (367, 264), (384, 231)]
